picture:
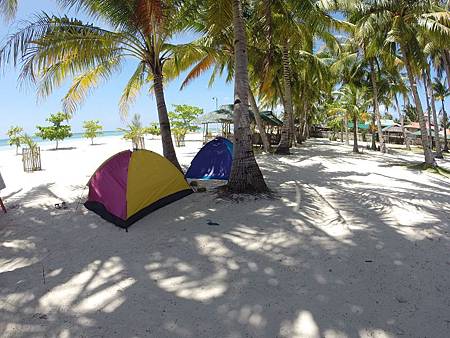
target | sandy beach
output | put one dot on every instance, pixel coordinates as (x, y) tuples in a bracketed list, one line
[(351, 246)]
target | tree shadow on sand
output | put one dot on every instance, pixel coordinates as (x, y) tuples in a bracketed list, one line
[(333, 256)]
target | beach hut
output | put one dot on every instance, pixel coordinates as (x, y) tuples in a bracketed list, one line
[(213, 161), (130, 185), (218, 121), (272, 125), (394, 134)]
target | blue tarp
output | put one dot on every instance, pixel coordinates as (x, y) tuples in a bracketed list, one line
[(213, 161)]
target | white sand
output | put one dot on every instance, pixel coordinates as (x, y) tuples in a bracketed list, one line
[(363, 251)]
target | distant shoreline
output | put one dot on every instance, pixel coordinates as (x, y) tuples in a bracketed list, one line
[(75, 136)]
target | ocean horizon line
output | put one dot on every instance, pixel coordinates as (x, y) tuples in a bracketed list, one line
[(79, 135)]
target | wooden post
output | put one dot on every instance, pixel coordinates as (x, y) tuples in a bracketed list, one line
[(138, 143), (2, 205), (31, 159)]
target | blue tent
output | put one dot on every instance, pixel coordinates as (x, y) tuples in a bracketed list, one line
[(213, 161)]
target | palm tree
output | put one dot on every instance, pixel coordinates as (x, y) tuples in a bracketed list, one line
[(369, 45), (402, 20), (224, 46), (352, 100), (216, 52), (52, 49), (286, 136), (429, 93), (245, 173), (396, 85), (298, 23), (440, 93)]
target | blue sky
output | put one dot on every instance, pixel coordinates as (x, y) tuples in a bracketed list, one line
[(20, 107)]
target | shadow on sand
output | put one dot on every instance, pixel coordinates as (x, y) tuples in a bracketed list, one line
[(328, 258)]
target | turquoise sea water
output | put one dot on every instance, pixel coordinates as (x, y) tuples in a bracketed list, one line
[(4, 142)]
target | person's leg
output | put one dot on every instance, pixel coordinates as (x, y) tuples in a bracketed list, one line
[(2, 205)]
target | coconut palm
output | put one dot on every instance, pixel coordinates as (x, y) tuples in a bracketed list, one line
[(429, 89), (393, 84), (225, 42), (352, 100), (296, 25), (245, 174), (52, 49), (402, 20), (369, 48), (216, 52), (440, 93)]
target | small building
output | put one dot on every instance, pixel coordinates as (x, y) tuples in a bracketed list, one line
[(394, 134), (272, 126), (216, 123), (220, 122)]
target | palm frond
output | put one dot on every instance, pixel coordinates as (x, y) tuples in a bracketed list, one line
[(132, 89), (83, 84)]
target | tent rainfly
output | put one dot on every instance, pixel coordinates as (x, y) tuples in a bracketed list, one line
[(213, 161)]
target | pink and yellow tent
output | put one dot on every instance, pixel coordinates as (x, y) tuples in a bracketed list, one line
[(130, 185)]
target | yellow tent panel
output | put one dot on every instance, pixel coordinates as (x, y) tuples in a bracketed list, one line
[(152, 179)]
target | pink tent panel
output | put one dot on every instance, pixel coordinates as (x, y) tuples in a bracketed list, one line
[(109, 184)]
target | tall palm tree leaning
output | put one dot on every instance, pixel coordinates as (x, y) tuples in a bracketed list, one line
[(440, 93), (52, 49), (245, 173)]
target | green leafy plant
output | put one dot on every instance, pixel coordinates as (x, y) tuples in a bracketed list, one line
[(29, 142), (15, 137), (182, 120), (92, 129), (58, 131), (32, 157), (154, 129), (410, 113), (135, 131)]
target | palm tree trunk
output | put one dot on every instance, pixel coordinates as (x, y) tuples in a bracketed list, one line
[(406, 104), (56, 145), (291, 129), (259, 123), (305, 119), (376, 107), (355, 134), (433, 110), (445, 127), (374, 136), (245, 177), (164, 124), (306, 128), (429, 158), (347, 141), (283, 147), (430, 132), (402, 122), (447, 65)]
